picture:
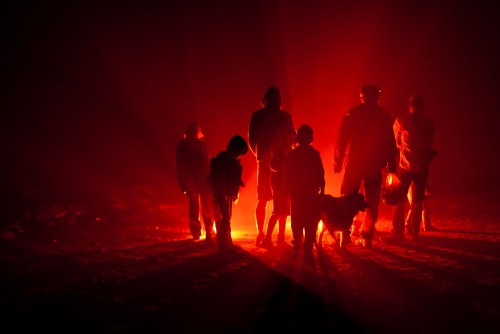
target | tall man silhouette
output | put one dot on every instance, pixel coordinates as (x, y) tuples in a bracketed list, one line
[(365, 146), (270, 129)]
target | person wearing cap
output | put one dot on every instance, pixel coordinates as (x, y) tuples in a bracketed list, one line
[(364, 147), (270, 130), (414, 133), (305, 179), (193, 167)]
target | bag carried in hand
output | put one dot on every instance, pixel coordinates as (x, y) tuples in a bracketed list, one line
[(392, 190)]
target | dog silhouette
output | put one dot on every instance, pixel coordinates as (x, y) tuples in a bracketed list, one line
[(337, 214)]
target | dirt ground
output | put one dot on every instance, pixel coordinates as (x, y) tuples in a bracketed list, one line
[(151, 277)]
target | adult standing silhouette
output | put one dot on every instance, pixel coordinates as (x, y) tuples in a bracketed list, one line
[(365, 145), (414, 134), (270, 129), (193, 166)]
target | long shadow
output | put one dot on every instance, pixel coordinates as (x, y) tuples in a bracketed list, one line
[(413, 305), (178, 287), (488, 253), (337, 288), (444, 230), (298, 305), (470, 288), (185, 286)]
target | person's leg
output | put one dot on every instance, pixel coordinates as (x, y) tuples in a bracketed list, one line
[(268, 239), (311, 220), (426, 217), (414, 219), (281, 229), (372, 189), (350, 183), (398, 219), (310, 230), (264, 195), (281, 204), (194, 215), (398, 223), (260, 217), (408, 214), (223, 225), (207, 213), (297, 226), (418, 195)]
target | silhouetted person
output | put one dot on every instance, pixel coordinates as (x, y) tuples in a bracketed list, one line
[(281, 198), (270, 129), (225, 176), (365, 146), (414, 134), (193, 166), (305, 179)]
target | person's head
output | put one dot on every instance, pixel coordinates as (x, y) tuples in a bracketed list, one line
[(237, 146), (272, 98), (305, 135), (370, 94), (416, 104), (193, 130)]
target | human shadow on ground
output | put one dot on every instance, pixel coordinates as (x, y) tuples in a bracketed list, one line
[(179, 286)]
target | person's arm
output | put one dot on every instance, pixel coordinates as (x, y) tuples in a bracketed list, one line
[(252, 134)]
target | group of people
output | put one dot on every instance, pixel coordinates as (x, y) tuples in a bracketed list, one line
[(290, 171), (211, 184)]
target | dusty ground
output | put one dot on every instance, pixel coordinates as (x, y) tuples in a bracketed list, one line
[(150, 277)]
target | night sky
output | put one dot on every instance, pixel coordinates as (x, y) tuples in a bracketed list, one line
[(96, 96)]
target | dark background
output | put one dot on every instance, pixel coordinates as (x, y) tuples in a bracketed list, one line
[(96, 95)]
